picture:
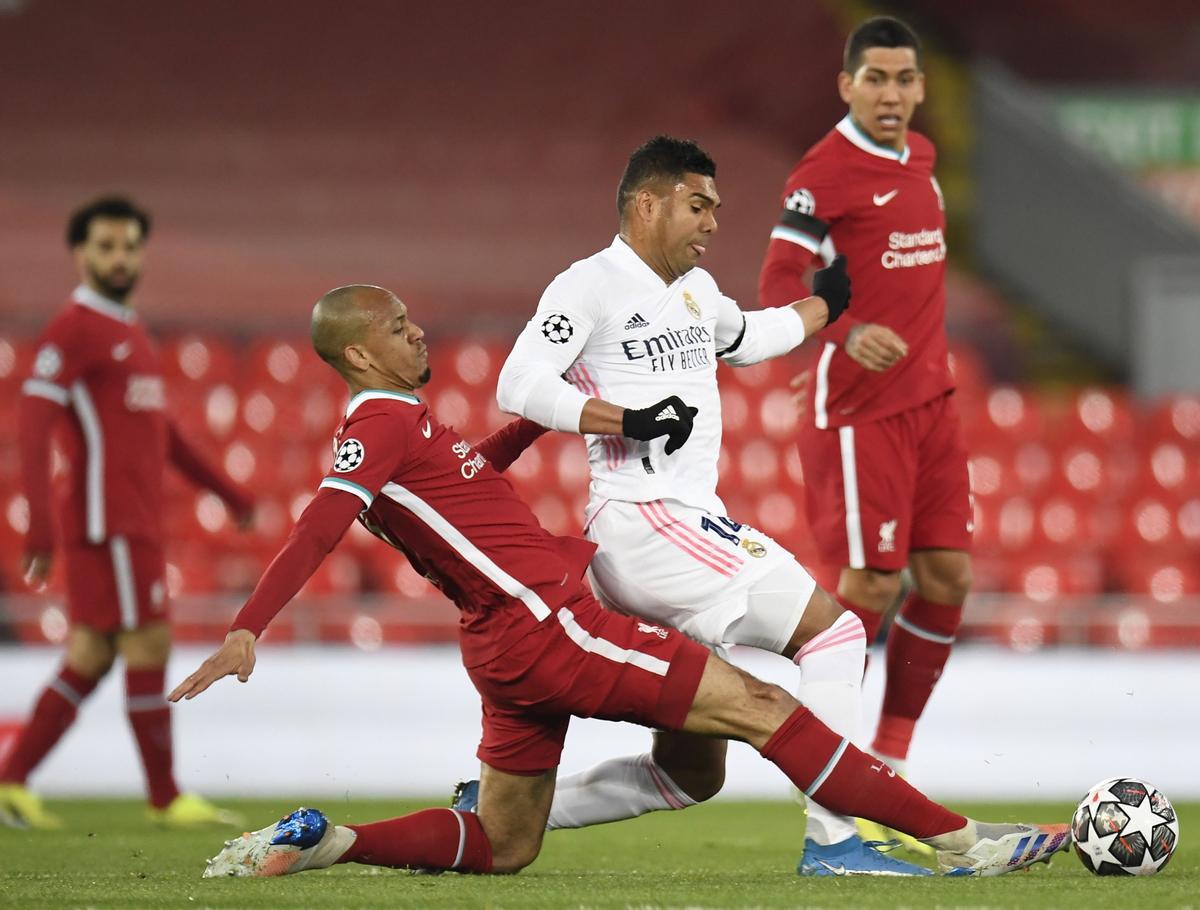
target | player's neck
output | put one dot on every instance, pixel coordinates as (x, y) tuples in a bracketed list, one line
[(645, 252)]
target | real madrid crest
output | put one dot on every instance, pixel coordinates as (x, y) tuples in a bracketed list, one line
[(754, 548), (692, 307)]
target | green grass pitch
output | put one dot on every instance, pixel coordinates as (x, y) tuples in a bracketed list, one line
[(722, 855)]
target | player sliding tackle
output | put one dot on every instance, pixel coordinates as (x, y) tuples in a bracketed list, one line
[(537, 645)]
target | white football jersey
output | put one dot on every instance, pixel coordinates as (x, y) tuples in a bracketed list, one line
[(611, 328)]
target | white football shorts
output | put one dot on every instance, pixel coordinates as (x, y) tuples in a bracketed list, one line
[(716, 580)]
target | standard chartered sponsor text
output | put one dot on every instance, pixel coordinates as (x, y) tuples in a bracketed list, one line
[(924, 248)]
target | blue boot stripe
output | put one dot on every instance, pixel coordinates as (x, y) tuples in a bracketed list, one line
[(1020, 849), (1037, 843)]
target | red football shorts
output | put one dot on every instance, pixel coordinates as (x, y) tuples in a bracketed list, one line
[(875, 492), (584, 661), (115, 585)]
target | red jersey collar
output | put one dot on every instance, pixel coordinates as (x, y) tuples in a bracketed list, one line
[(853, 132), (85, 296)]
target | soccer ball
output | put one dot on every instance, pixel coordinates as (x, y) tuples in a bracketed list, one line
[(1124, 827)]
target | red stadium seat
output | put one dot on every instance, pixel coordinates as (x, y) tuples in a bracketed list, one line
[(199, 360), (1104, 415), (1045, 580), (283, 362), (779, 415), (1033, 466), (339, 573), (1009, 416), (475, 364), (735, 408), (16, 362), (1165, 580), (1175, 418), (758, 464)]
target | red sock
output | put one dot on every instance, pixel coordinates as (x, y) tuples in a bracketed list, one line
[(849, 782), (53, 714), (917, 649), (429, 839), (150, 718)]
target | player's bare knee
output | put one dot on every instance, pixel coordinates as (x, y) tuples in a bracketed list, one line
[(696, 765), (870, 589), (512, 856)]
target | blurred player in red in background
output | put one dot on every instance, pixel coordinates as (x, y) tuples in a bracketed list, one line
[(884, 461), (537, 645), (97, 383)]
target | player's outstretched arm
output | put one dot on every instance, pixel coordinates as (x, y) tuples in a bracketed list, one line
[(505, 446), (234, 658)]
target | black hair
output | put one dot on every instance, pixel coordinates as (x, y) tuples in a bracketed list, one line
[(104, 207), (879, 31), (662, 158)]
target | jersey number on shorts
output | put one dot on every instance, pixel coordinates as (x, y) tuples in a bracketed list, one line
[(714, 527)]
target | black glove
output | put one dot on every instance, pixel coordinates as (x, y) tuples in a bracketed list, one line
[(670, 417), (832, 285)]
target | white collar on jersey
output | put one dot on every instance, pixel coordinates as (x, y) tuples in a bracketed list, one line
[(372, 394), (85, 296), (852, 131), (630, 261)]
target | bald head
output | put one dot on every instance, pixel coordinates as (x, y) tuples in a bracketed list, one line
[(365, 334), (343, 316)]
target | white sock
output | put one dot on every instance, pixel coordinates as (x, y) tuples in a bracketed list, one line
[(332, 847), (613, 790), (831, 669)]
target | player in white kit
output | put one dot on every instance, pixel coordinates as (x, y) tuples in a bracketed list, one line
[(628, 326)]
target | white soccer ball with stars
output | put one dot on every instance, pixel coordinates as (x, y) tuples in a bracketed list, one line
[(1124, 826)]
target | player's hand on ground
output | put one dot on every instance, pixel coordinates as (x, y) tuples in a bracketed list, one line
[(234, 658), (832, 285), (670, 417), (799, 385), (875, 347), (35, 568)]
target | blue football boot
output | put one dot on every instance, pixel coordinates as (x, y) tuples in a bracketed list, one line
[(854, 856)]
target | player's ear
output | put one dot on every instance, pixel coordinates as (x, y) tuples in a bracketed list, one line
[(845, 80), (644, 204), (356, 357)]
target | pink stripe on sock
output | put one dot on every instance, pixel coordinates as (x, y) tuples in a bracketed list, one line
[(846, 629), (667, 793)]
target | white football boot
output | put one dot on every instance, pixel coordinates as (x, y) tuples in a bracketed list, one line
[(985, 849), (299, 841)]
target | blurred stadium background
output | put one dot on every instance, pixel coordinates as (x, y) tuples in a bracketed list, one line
[(463, 154)]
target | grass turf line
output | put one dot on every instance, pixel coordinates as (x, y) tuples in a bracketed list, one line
[(727, 854)]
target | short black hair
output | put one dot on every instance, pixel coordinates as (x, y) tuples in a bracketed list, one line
[(104, 207), (879, 31), (662, 158)]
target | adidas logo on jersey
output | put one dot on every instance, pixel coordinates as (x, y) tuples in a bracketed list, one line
[(636, 322), (667, 413)]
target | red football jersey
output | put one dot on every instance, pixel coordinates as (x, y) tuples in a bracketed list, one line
[(96, 359), (435, 497), (96, 362), (884, 210)]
